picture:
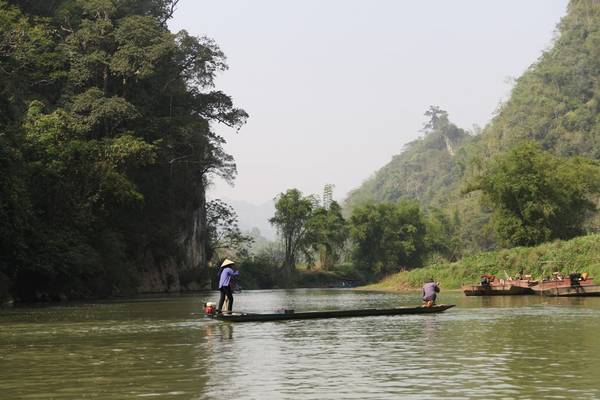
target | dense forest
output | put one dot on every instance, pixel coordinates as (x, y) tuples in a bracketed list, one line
[(106, 148), (554, 104)]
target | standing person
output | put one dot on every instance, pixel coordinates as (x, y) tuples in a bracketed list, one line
[(430, 290), (225, 275)]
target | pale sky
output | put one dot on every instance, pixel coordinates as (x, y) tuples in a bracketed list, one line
[(335, 88)]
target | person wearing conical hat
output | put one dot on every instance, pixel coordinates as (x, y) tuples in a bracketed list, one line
[(225, 274)]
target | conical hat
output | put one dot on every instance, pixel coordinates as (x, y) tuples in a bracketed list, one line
[(227, 262)]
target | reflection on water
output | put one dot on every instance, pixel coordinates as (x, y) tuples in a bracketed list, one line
[(494, 347)]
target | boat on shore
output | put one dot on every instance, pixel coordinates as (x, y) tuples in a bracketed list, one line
[(490, 286), (575, 285), (291, 315), (506, 289)]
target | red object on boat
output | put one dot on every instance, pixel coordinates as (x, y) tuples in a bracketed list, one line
[(209, 308)]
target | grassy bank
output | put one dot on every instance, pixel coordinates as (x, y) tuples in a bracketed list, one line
[(581, 254)]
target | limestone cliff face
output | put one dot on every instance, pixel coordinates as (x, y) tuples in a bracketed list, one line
[(193, 265), (159, 277), (187, 269)]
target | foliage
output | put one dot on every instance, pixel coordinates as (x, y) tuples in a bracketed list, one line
[(258, 273), (106, 142), (443, 235), (308, 227), (271, 253), (576, 255), (292, 212), (424, 171), (224, 235), (326, 233), (535, 196), (430, 170), (554, 103), (388, 235)]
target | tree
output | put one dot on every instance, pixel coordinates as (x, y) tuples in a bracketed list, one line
[(223, 231), (388, 235), (292, 212), (326, 233), (536, 196), (443, 236), (438, 119)]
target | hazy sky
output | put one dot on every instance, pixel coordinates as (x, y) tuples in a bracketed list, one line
[(334, 88)]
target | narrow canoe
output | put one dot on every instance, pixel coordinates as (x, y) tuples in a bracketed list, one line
[(249, 317)]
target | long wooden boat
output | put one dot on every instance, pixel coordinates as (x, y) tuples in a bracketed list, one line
[(509, 287), (573, 291), (251, 317), (496, 290), (567, 288)]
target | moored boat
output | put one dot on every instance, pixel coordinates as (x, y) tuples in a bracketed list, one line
[(573, 291), (490, 286), (507, 289), (291, 315), (576, 285)]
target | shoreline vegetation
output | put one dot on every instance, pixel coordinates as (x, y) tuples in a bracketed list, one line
[(581, 254)]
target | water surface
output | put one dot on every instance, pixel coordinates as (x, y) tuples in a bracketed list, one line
[(485, 348)]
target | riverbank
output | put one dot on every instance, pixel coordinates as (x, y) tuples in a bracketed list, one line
[(581, 254)]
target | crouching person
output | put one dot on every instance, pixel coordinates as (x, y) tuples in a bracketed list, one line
[(430, 291)]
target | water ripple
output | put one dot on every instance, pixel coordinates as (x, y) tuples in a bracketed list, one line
[(526, 348)]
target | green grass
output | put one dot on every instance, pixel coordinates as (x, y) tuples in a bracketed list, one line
[(581, 254)]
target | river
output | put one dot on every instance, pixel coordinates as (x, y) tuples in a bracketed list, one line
[(524, 347)]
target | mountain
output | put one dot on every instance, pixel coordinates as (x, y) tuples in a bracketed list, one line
[(556, 103), (425, 171)]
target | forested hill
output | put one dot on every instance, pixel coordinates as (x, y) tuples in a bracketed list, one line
[(556, 103), (426, 170), (106, 147)]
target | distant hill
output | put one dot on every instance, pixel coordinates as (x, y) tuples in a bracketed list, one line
[(556, 102), (426, 170), (255, 216)]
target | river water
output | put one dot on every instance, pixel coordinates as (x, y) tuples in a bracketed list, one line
[(524, 347)]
